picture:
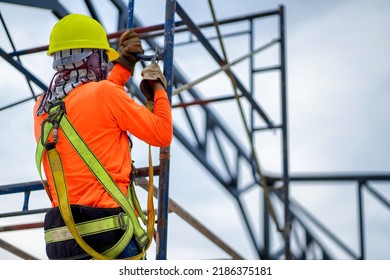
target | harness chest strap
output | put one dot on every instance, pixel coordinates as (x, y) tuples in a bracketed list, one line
[(57, 118)]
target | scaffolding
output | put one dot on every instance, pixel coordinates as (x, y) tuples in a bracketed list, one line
[(229, 155)]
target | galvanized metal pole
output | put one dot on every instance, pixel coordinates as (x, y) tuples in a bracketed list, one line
[(163, 192)]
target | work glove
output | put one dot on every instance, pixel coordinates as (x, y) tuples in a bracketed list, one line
[(151, 73), (129, 46)]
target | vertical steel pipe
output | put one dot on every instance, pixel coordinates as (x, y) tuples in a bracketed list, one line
[(264, 252), (163, 192), (130, 14)]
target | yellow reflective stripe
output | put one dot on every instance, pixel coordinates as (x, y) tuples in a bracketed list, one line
[(86, 228)]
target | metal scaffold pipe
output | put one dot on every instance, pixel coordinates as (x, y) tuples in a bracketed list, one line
[(223, 68), (163, 194)]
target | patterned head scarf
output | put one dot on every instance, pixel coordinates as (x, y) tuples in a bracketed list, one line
[(73, 68)]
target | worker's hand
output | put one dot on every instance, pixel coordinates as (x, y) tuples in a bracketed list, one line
[(153, 79), (129, 46)]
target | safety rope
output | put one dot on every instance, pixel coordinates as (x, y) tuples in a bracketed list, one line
[(150, 205), (255, 158)]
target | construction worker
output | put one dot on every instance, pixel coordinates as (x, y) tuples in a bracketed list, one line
[(103, 114)]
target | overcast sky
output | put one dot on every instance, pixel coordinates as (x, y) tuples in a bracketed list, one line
[(338, 103)]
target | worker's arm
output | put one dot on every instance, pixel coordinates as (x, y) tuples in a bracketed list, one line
[(119, 75), (156, 85), (155, 128)]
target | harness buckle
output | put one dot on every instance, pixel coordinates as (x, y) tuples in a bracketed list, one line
[(56, 112), (121, 220), (142, 240)]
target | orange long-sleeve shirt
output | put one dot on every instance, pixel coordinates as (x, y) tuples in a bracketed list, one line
[(102, 113)]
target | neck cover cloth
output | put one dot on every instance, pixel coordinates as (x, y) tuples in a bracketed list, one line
[(74, 67)]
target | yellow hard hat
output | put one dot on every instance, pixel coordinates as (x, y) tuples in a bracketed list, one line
[(77, 31)]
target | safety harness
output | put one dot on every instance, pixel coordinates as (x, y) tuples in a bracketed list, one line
[(127, 220)]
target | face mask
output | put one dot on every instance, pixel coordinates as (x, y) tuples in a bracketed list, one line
[(98, 63)]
